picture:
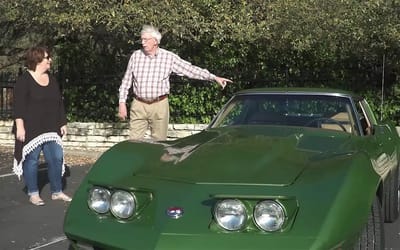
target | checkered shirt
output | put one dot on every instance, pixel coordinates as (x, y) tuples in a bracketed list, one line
[(149, 75)]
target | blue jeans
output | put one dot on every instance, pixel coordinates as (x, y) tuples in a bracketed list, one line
[(53, 154)]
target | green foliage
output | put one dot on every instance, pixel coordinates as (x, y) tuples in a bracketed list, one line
[(195, 102), (385, 107), (257, 43), (88, 102)]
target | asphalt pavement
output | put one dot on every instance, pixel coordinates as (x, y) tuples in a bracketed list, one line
[(27, 227)]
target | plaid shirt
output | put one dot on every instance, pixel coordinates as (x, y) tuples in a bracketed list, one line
[(149, 75)]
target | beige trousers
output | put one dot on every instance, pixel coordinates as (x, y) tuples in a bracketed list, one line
[(153, 116)]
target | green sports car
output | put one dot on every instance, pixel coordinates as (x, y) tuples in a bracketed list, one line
[(275, 169)]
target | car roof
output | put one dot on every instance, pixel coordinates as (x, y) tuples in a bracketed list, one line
[(313, 91)]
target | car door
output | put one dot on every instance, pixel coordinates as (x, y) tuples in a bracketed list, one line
[(382, 139)]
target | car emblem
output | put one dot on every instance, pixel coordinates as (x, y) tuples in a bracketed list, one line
[(175, 212)]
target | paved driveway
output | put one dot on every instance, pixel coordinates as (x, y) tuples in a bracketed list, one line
[(24, 226)]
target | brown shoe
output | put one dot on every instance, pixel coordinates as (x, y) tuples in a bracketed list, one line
[(61, 196), (36, 200)]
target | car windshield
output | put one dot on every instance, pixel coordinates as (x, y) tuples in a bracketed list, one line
[(320, 111)]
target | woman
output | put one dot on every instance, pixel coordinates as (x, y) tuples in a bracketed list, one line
[(40, 122)]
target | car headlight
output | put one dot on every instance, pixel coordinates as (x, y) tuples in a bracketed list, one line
[(269, 215), (122, 204), (99, 200), (230, 214)]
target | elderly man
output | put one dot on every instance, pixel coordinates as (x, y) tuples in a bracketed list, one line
[(148, 73)]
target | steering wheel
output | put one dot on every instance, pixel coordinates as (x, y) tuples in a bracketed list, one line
[(325, 119)]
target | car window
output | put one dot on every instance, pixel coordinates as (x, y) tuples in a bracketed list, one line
[(320, 111), (233, 113)]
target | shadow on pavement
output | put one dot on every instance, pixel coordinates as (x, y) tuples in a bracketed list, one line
[(43, 178)]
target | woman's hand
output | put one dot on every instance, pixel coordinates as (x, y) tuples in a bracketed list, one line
[(63, 130), (20, 134)]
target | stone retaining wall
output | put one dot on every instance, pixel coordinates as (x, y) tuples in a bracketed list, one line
[(99, 136)]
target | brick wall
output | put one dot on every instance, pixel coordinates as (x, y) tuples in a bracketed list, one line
[(99, 136)]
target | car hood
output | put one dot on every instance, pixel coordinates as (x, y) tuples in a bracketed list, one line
[(243, 156)]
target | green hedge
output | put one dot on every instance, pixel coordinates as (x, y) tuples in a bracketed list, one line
[(193, 101)]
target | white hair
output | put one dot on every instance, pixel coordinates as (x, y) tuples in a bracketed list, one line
[(153, 31)]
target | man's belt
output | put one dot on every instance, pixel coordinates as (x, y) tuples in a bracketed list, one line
[(151, 101)]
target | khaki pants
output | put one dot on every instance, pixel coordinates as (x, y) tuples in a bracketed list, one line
[(153, 116)]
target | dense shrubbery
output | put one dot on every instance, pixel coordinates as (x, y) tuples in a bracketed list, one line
[(346, 44), (190, 101)]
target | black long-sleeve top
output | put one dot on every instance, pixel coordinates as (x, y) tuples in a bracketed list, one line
[(42, 110)]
